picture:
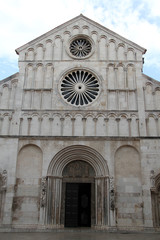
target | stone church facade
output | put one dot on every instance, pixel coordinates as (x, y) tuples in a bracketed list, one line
[(80, 134)]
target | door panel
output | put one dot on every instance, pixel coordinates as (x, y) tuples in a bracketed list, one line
[(78, 205), (71, 205)]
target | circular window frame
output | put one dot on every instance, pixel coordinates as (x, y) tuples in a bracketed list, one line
[(80, 36), (74, 70)]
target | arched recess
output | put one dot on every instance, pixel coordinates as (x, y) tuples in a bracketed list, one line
[(128, 187), (26, 201), (55, 177), (155, 196)]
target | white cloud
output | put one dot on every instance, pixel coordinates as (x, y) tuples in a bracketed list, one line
[(22, 21)]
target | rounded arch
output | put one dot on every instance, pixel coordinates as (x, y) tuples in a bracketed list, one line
[(127, 163), (127, 145), (27, 145), (29, 162), (78, 152)]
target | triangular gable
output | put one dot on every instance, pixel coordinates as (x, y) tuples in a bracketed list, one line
[(80, 17)]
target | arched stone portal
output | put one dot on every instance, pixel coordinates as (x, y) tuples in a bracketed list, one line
[(83, 165), (155, 196)]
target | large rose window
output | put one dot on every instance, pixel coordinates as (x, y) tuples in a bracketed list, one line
[(79, 87)]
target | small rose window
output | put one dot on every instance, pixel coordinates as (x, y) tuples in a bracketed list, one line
[(80, 47)]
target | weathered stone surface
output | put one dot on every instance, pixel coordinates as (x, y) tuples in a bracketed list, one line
[(110, 139)]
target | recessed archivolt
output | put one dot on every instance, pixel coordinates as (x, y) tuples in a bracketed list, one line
[(78, 115), (130, 65), (67, 115), (5, 85), (30, 49), (67, 33), (90, 115), (57, 115), (131, 50), (35, 115), (100, 115), (111, 65), (78, 152), (113, 115), (152, 116), (6, 115), (45, 115), (133, 116), (112, 41), (39, 45), (123, 115), (76, 27), (149, 84), (85, 27), (48, 41), (103, 37), (58, 37), (121, 45), (121, 65), (157, 89)]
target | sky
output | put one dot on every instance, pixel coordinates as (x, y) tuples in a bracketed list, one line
[(22, 21)]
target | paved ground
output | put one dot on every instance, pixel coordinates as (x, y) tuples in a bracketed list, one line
[(79, 236)]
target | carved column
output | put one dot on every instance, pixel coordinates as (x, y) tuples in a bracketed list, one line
[(118, 120), (62, 125), (95, 126), (3, 203), (84, 126), (112, 201), (29, 125), (21, 126), (40, 126), (129, 126), (43, 195), (51, 125), (73, 123), (106, 122), (9, 125), (53, 201), (1, 124), (101, 213), (125, 78)]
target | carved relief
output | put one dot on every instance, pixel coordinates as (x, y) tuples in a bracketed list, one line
[(43, 192), (112, 194), (152, 178), (78, 169), (4, 180)]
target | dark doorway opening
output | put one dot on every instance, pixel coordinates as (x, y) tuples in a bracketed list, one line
[(78, 205)]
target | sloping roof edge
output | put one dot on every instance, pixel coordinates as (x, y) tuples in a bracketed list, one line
[(151, 79), (15, 75)]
